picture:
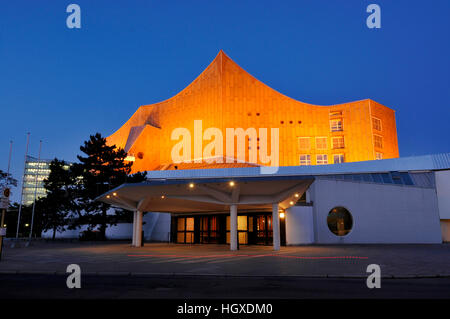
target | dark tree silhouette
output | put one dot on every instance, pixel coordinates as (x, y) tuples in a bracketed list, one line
[(58, 205), (103, 168)]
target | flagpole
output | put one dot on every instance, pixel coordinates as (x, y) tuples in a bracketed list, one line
[(23, 179), (35, 189)]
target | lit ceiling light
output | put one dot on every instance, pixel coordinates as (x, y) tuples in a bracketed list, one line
[(291, 203), (231, 183), (191, 185), (296, 195), (26, 225), (108, 196), (281, 215), (114, 194)]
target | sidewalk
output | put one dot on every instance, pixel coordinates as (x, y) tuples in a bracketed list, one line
[(156, 259)]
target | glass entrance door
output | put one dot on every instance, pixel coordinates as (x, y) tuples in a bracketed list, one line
[(209, 230), (263, 229), (185, 230), (242, 229)]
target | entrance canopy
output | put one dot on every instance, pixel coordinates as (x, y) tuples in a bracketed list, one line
[(204, 195), (215, 190)]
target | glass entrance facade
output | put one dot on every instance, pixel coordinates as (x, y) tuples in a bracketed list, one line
[(253, 229)]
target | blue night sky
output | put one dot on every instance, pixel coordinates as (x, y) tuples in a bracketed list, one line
[(64, 84)]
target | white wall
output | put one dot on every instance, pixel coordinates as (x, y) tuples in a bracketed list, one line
[(381, 213), (65, 234), (156, 228), (299, 225), (443, 193)]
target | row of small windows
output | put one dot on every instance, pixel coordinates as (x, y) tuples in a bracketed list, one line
[(378, 141), (321, 159), (336, 125), (337, 142), (394, 177), (321, 143), (376, 124), (291, 122)]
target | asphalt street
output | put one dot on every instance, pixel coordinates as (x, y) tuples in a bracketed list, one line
[(20, 286)]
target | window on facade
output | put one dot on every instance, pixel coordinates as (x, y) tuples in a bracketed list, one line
[(335, 113), (376, 124), (378, 155), (336, 125), (185, 230), (304, 143), (338, 142), (378, 141), (305, 159), (181, 222), (338, 158), (321, 143), (340, 221), (321, 159), (242, 229), (190, 224)]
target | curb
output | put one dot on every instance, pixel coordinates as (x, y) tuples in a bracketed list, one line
[(147, 274)]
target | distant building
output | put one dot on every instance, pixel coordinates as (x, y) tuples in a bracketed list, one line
[(35, 173)]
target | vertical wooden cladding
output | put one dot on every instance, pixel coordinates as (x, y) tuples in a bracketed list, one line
[(388, 129), (225, 96)]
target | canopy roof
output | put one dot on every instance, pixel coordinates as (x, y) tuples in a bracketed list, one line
[(208, 195), (171, 191)]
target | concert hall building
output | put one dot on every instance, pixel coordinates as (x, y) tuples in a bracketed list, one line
[(232, 161)]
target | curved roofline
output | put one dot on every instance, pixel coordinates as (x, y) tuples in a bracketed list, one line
[(222, 53)]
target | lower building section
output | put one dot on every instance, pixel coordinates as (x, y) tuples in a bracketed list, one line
[(252, 228), (445, 229)]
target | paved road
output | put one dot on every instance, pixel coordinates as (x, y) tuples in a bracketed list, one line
[(120, 258), (189, 287)]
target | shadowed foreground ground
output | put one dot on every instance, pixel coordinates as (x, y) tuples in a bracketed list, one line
[(116, 270)]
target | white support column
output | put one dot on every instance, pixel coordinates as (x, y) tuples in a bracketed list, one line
[(138, 229), (133, 238), (233, 227), (276, 227)]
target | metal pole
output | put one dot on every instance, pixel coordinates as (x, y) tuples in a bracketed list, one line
[(23, 179), (35, 189), (2, 222)]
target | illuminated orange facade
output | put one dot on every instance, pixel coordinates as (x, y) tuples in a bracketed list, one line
[(225, 96)]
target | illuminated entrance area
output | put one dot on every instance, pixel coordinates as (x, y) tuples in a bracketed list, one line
[(252, 229)]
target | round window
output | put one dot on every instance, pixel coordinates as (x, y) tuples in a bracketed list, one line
[(340, 221)]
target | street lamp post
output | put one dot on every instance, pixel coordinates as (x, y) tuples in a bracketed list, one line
[(23, 180)]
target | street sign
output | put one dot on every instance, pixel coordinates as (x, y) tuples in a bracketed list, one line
[(4, 203), (4, 198)]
